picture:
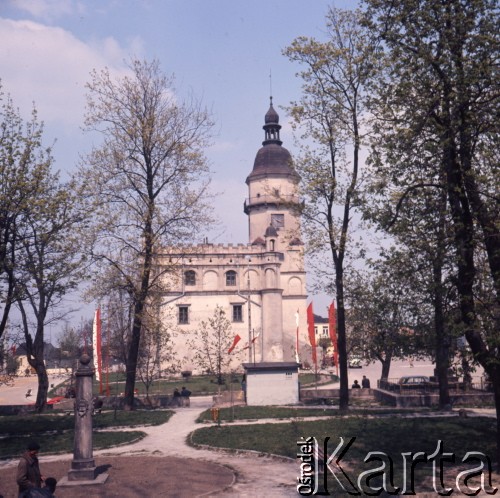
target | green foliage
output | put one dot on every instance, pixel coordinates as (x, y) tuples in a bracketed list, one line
[(330, 119), (23, 161), (236, 413), (39, 220), (149, 183), (54, 432), (69, 342), (388, 317), (390, 435), (51, 444)]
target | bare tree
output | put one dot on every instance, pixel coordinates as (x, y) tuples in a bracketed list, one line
[(211, 348), (156, 352), (48, 265), (330, 116), (148, 180)]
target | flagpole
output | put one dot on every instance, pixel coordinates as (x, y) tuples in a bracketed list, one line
[(96, 346), (107, 353), (297, 337), (249, 313)]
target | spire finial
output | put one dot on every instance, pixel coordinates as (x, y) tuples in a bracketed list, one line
[(271, 86)]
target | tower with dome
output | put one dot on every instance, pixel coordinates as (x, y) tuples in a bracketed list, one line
[(260, 284)]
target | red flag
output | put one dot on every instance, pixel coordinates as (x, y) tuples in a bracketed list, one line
[(312, 335), (235, 341), (332, 321)]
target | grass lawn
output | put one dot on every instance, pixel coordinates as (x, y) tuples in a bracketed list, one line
[(55, 432), (390, 435), (198, 384), (236, 413)]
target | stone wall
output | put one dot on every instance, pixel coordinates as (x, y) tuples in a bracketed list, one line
[(474, 398)]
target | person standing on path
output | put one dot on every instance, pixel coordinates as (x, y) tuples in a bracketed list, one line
[(185, 393), (365, 382), (177, 397), (28, 470)]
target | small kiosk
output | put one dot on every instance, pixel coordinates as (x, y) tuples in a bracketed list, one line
[(272, 383)]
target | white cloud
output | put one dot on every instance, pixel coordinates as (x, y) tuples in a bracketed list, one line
[(47, 9), (223, 146), (50, 66)]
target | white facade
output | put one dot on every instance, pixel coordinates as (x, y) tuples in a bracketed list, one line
[(261, 285)]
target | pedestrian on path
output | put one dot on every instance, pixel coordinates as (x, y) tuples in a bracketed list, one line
[(177, 397), (356, 385), (47, 491), (28, 470), (185, 393), (365, 382)]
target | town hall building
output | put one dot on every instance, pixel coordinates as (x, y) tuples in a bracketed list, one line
[(261, 285)]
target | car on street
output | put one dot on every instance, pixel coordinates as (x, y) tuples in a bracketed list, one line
[(355, 362), (414, 382)]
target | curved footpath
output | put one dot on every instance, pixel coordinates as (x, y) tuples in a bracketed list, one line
[(255, 475)]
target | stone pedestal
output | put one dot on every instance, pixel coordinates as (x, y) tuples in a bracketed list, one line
[(83, 468)]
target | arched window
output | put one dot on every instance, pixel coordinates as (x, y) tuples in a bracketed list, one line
[(190, 277), (231, 277)]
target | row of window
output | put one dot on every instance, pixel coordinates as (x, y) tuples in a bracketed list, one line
[(323, 332), (190, 277), (183, 314)]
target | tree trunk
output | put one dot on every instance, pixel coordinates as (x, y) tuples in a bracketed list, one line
[(43, 387), (386, 366), (441, 335), (464, 246), (494, 375), (342, 342), (133, 351), (132, 356)]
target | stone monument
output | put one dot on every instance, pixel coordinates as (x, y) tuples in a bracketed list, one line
[(83, 468)]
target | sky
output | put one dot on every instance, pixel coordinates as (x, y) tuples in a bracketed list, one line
[(226, 52)]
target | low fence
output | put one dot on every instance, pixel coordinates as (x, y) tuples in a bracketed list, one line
[(455, 386), (325, 396), (413, 400), (229, 398)]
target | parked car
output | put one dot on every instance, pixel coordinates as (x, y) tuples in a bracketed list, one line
[(413, 379), (355, 363), (414, 382)]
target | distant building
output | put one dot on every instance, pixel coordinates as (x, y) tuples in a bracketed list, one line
[(260, 284), (321, 328)]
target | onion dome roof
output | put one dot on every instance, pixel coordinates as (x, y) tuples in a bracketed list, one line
[(272, 159)]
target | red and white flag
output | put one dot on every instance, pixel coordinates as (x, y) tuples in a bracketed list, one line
[(297, 336), (252, 341), (96, 344)]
